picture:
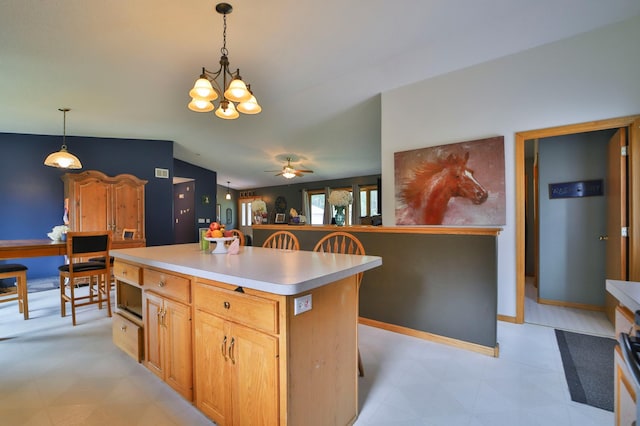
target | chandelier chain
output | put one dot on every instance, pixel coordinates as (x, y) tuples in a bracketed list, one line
[(224, 50)]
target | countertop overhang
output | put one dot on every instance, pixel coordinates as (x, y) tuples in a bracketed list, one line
[(627, 293), (283, 272)]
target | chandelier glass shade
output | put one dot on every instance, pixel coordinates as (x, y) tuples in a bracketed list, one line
[(228, 196), (207, 88), (63, 159)]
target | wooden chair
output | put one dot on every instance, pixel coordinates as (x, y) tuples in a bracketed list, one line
[(345, 243), (240, 235), (19, 272), (283, 240), (81, 245)]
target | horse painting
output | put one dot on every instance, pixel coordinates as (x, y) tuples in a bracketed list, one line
[(434, 183)]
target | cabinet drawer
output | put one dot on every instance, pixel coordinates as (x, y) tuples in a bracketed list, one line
[(127, 336), (126, 272), (253, 311), (166, 284)]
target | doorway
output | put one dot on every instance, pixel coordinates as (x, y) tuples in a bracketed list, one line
[(184, 227), (520, 145), (566, 228)]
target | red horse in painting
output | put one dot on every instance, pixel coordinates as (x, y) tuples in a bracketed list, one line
[(433, 185)]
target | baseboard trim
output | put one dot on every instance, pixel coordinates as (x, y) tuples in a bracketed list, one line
[(571, 305), (473, 347), (507, 318)]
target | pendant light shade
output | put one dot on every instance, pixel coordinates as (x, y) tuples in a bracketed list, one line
[(63, 159), (228, 196), (227, 110)]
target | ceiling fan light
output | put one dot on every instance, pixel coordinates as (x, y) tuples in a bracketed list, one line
[(228, 113), (250, 107), (200, 105), (237, 91), (288, 175), (63, 159), (203, 89)]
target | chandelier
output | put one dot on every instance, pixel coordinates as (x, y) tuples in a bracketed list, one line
[(63, 159), (207, 89)]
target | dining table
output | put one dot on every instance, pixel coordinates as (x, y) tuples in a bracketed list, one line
[(18, 249)]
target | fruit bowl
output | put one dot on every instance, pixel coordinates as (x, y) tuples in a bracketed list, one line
[(221, 248)]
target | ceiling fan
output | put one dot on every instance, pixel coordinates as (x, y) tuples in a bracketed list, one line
[(290, 172)]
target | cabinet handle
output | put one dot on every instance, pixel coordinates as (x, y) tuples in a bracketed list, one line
[(123, 328), (227, 305), (233, 342), (224, 348), (124, 272), (164, 314), (161, 284)]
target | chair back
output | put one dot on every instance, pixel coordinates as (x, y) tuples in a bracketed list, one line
[(283, 240), (340, 242), (87, 244), (239, 234)]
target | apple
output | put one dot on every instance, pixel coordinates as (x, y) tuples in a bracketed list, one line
[(214, 226), (228, 233)]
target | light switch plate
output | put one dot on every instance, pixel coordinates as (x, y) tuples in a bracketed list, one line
[(302, 304)]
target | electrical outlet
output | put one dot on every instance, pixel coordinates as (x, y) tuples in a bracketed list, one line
[(301, 304)]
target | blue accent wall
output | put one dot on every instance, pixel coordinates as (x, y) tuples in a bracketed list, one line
[(32, 194), (206, 184)]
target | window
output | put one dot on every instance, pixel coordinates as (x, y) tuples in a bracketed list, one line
[(246, 216), (316, 204), (369, 200)]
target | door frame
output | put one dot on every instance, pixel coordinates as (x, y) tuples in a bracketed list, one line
[(520, 138)]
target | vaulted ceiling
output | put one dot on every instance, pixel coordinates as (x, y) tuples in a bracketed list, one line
[(317, 68)]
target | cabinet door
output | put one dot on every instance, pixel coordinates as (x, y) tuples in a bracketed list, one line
[(624, 392), (176, 342), (254, 361), (153, 333), (92, 206), (212, 339), (128, 208)]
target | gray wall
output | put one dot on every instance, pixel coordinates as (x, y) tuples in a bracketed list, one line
[(572, 266)]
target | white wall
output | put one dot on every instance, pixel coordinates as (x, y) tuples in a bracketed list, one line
[(589, 77)]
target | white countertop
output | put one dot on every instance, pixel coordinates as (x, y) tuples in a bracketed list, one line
[(627, 293), (283, 272)]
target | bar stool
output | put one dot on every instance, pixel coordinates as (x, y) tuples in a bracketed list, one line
[(19, 272)]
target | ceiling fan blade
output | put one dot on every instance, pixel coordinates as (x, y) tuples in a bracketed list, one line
[(305, 171), (279, 174)]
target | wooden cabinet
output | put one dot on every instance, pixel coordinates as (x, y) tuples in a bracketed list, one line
[(98, 202), (237, 366), (167, 324), (256, 362), (624, 392)]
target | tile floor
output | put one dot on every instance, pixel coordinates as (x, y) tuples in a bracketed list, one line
[(56, 374)]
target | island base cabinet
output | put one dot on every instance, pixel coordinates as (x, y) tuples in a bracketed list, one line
[(236, 372), (168, 349), (624, 392)]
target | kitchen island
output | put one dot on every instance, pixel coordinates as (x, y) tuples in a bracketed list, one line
[(625, 391), (262, 337)]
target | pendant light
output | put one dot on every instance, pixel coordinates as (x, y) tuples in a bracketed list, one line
[(231, 89), (63, 159), (228, 196)]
